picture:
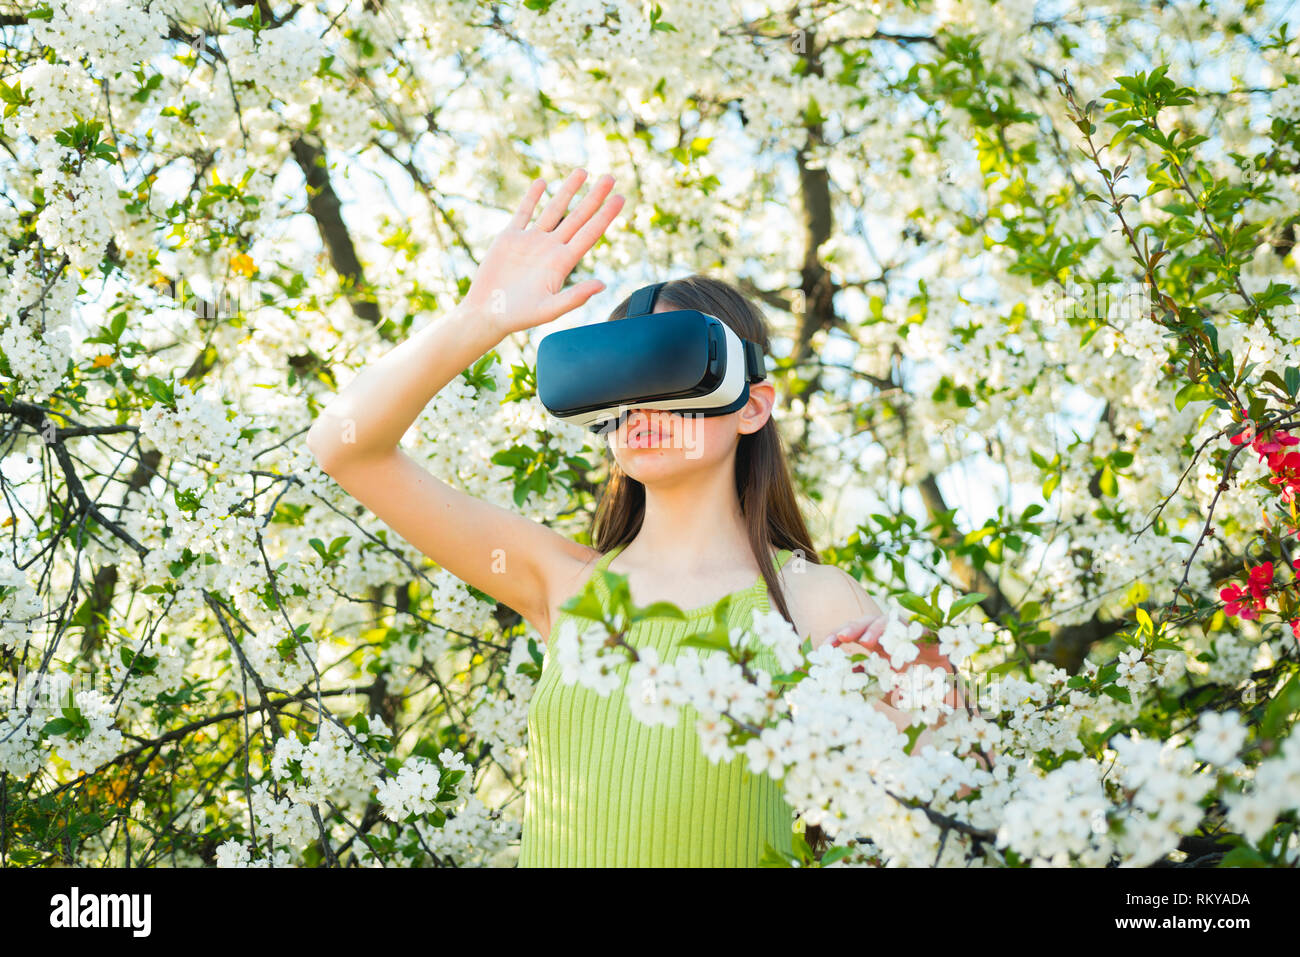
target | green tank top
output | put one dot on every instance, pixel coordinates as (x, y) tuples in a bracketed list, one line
[(605, 790)]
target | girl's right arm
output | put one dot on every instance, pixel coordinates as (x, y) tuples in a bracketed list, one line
[(519, 284)]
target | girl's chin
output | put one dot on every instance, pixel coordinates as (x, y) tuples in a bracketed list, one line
[(653, 454), (642, 464)]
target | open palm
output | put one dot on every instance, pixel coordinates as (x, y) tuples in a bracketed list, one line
[(520, 282)]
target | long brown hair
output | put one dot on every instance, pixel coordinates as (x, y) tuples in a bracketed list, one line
[(762, 474)]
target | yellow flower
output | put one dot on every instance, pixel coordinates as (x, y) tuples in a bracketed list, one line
[(104, 360), (243, 263)]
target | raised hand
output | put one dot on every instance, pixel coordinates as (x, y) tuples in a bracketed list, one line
[(862, 636), (520, 282)]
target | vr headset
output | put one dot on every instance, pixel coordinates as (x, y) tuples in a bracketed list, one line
[(681, 361)]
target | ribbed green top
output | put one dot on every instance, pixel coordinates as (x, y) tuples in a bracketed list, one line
[(605, 790)]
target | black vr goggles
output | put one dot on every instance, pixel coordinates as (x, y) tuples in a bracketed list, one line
[(681, 361)]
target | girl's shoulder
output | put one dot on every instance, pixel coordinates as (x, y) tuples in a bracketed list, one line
[(822, 598)]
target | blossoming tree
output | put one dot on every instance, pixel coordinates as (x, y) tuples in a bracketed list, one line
[(998, 254)]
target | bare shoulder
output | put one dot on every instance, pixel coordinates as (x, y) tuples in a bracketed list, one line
[(822, 598)]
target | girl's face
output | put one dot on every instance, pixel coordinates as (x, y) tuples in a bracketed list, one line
[(652, 445)]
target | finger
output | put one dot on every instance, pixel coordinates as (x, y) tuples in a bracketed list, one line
[(525, 211), (852, 630), (559, 203), (853, 648), (572, 298), (870, 635), (847, 633), (590, 203), (876, 629), (586, 237)]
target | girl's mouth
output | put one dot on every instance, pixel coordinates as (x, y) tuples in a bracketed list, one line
[(647, 435)]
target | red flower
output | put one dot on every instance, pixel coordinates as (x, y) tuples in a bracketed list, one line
[(1261, 578), (1280, 462), (1234, 595), (1275, 442)]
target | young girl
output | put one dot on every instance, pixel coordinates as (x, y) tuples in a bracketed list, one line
[(687, 518)]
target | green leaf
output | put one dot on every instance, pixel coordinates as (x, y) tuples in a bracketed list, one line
[(917, 604), (834, 854), (775, 857), (586, 605), (659, 609), (964, 602), (707, 640), (1281, 708), (1243, 856), (160, 390), (1118, 693), (1108, 485), (913, 732), (85, 824)]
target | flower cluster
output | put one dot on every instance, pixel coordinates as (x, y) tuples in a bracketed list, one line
[(1166, 789), (20, 605), (285, 822), (329, 767), (1060, 817), (1271, 447), (1274, 790), (95, 745), (112, 34), (417, 787), (1250, 601), (234, 853), (1219, 738), (413, 791)]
